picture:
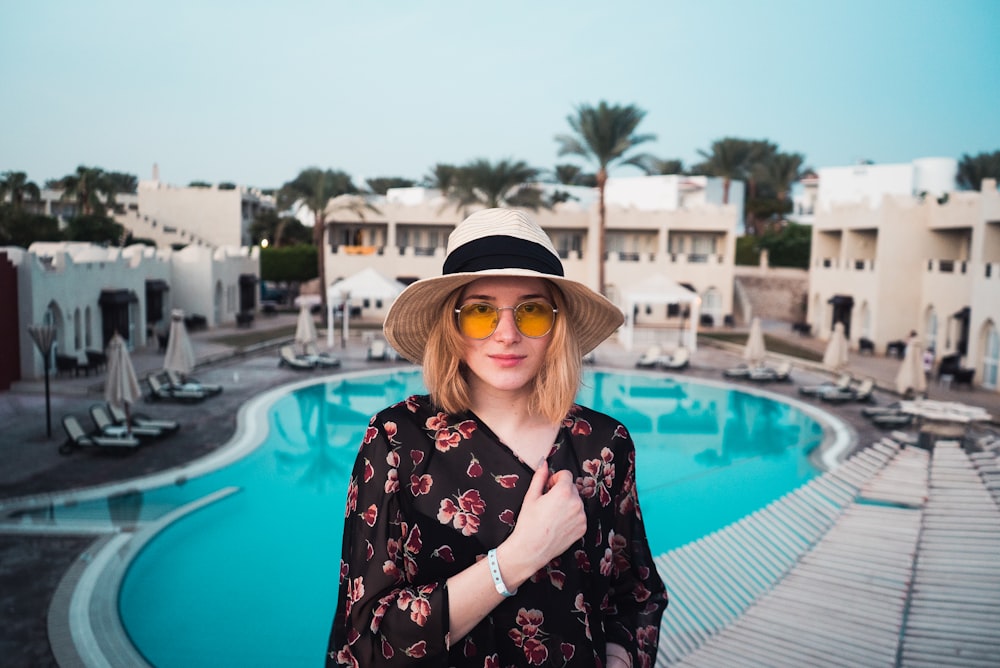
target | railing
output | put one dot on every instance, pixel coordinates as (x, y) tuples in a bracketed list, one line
[(947, 266)]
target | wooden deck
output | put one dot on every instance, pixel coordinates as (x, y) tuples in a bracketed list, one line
[(889, 560)]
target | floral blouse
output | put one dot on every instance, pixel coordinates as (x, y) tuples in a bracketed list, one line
[(431, 493)]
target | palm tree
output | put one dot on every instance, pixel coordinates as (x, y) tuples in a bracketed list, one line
[(973, 169), (603, 135), (573, 175), (442, 177), (86, 187), (313, 188), (654, 166), (506, 183), (17, 185), (730, 158)]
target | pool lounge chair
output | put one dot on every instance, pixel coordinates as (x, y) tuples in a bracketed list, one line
[(178, 382), (650, 358), (843, 383), (158, 391), (739, 371), (863, 392), (313, 354), (679, 360), (77, 438), (768, 374), (290, 359), (142, 420), (107, 427)]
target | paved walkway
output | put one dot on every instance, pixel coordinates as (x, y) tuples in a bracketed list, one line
[(31, 566)]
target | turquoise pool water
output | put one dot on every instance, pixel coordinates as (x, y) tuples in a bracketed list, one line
[(251, 580)]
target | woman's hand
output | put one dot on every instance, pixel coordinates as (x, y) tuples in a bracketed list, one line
[(617, 657), (551, 520)]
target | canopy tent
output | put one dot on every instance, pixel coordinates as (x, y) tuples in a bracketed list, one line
[(658, 289), (366, 284)]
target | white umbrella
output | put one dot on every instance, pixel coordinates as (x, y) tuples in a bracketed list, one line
[(835, 357), (121, 387), (180, 354), (755, 349), (305, 331), (910, 377)]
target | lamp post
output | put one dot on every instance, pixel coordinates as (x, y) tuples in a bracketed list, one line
[(44, 336)]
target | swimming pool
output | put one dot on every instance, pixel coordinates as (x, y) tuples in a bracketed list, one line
[(251, 579)]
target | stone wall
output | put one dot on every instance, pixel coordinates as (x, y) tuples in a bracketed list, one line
[(774, 293)]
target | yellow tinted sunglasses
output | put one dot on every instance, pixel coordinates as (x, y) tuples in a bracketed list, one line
[(479, 320)]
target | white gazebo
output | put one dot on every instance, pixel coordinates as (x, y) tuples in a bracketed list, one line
[(659, 289), (366, 284)]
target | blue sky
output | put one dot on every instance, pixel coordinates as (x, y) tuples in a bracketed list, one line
[(252, 92)]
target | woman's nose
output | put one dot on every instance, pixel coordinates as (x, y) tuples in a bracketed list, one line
[(507, 326)]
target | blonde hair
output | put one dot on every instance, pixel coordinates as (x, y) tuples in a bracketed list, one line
[(554, 388)]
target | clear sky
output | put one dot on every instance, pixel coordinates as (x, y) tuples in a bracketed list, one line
[(253, 91)]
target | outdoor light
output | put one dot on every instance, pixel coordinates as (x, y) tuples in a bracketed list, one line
[(44, 336)]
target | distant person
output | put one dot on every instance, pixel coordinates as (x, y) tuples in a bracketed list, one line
[(928, 361), (494, 522)]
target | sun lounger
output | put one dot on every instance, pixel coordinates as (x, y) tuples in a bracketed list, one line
[(313, 354), (741, 371), (679, 360), (77, 438), (863, 392), (777, 373), (142, 420), (159, 391), (842, 384), (177, 382), (290, 359), (650, 358), (106, 426)]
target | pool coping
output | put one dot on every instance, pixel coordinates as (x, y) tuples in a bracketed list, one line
[(84, 610)]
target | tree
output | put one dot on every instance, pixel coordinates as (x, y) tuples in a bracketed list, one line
[(506, 183), (120, 182), (573, 175), (279, 230), (442, 177), (773, 177), (733, 158), (380, 185), (973, 169), (17, 185), (86, 187), (21, 228), (654, 166), (313, 188), (603, 135), (290, 263), (95, 229)]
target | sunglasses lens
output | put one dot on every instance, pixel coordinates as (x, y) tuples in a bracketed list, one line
[(477, 321), (534, 319)]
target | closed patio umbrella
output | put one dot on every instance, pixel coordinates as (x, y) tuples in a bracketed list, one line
[(835, 357), (180, 353), (305, 331), (910, 378), (755, 350), (121, 387)]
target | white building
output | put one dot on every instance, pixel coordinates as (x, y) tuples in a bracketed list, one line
[(672, 225), (896, 248)]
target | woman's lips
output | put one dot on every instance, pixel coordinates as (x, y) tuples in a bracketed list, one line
[(507, 360)]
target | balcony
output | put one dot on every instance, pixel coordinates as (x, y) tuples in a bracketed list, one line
[(947, 266)]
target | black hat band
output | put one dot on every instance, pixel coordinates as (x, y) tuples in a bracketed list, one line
[(502, 252)]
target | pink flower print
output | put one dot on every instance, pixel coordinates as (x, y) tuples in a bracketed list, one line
[(535, 651), (606, 562), (421, 485), (387, 651), (582, 561), (420, 610), (369, 550), (465, 515), (444, 552), (507, 481), (507, 517), (416, 456), (529, 636), (567, 650), (392, 458), (392, 481), (344, 656), (471, 502), (344, 570), (466, 428), (475, 468), (445, 440), (417, 650), (352, 498), (469, 648), (580, 604), (446, 511), (557, 578), (620, 432), (492, 661), (370, 515), (392, 570), (412, 404), (413, 542), (390, 432), (369, 471), (370, 435), (640, 593), (581, 428), (436, 422), (530, 621)]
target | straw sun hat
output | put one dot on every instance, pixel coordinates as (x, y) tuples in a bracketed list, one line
[(496, 242)]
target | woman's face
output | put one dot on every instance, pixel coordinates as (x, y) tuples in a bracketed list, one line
[(506, 360)]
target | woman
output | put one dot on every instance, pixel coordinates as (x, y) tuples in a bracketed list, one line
[(494, 522)]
